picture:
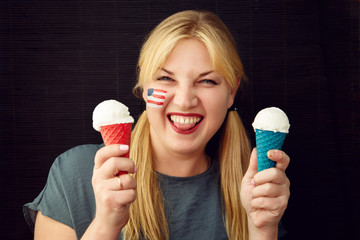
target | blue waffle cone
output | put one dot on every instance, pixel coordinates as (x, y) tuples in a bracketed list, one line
[(265, 141)]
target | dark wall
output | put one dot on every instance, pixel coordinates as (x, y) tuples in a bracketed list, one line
[(59, 59)]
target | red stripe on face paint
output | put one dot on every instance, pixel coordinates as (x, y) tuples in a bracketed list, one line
[(158, 96), (160, 90), (154, 102)]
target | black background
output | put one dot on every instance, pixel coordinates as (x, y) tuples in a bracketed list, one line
[(59, 59)]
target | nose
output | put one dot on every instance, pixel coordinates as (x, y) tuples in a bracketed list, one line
[(186, 98)]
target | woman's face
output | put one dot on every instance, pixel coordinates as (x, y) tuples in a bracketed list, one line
[(193, 97)]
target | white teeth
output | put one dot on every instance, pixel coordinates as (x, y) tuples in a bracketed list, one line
[(184, 120)]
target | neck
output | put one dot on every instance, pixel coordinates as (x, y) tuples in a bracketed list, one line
[(180, 165)]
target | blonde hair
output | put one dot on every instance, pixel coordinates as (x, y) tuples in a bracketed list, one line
[(147, 216), (202, 25)]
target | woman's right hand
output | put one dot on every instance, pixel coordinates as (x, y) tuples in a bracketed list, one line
[(113, 193)]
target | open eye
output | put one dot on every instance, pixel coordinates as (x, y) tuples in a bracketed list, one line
[(164, 78), (208, 82)]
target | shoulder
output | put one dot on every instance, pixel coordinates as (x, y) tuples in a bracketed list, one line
[(76, 161), (79, 155), (81, 152), (68, 196)]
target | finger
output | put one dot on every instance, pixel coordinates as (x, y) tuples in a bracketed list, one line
[(280, 157), (252, 169), (114, 165), (117, 199), (269, 190), (271, 204), (125, 197), (114, 150), (270, 175), (122, 182)]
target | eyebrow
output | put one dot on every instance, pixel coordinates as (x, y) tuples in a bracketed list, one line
[(205, 73), (167, 71), (200, 75)]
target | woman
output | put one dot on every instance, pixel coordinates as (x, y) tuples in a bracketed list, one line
[(188, 157)]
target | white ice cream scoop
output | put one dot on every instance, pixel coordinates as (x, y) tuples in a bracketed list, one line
[(272, 119), (110, 112)]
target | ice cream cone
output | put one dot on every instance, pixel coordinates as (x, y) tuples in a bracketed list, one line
[(112, 119), (265, 141), (117, 134), (271, 126)]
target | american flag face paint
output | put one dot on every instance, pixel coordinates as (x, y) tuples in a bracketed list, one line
[(155, 97)]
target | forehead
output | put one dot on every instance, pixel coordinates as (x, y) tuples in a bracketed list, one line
[(189, 53)]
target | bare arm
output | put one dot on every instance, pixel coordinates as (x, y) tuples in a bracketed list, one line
[(47, 228)]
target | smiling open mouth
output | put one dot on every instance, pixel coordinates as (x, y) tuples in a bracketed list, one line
[(184, 123)]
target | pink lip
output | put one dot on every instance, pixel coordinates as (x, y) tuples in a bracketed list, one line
[(185, 115)]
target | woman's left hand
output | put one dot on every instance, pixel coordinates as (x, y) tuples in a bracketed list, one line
[(265, 195)]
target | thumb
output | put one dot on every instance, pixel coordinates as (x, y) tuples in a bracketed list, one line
[(252, 169)]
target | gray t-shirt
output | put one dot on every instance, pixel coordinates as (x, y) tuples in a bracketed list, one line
[(192, 204)]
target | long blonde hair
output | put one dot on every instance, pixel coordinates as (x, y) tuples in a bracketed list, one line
[(147, 216)]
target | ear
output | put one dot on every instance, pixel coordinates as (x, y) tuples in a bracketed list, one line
[(144, 93), (234, 91)]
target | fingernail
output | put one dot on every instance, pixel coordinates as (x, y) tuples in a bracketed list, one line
[(124, 147), (135, 169), (270, 154), (253, 182)]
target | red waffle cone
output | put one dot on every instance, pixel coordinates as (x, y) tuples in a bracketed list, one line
[(117, 134)]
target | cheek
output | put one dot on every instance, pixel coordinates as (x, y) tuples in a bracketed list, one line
[(217, 105), (218, 101)]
